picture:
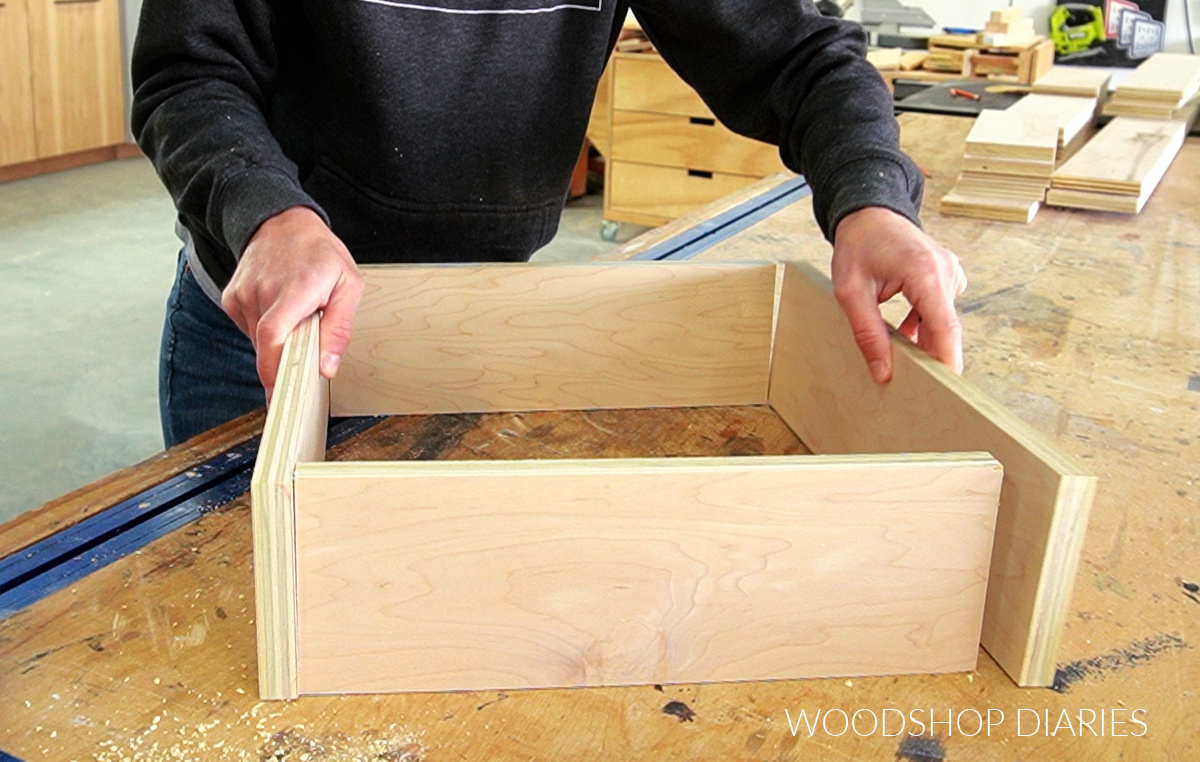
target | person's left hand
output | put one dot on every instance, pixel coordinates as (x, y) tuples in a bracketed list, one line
[(878, 254)]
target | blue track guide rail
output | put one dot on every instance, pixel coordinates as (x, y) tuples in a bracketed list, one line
[(71, 554), (727, 224)]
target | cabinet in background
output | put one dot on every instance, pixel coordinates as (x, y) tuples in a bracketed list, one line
[(18, 142), (667, 154), (61, 89)]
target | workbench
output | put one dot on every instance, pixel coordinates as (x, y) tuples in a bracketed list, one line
[(1085, 325)]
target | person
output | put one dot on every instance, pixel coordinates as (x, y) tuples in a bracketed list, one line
[(299, 140)]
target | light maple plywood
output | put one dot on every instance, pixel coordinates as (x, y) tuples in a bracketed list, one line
[(1170, 78), (884, 58), (1023, 167), (691, 143), (537, 337), (1097, 202), (1005, 186), (821, 387), (1128, 156), (653, 195), (17, 141), (1071, 114), (1080, 81), (989, 207), (912, 59), (75, 49), (1013, 135), (294, 432), (1151, 110), (416, 577), (647, 83)]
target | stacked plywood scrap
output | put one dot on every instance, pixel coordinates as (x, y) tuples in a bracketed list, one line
[(1007, 166), (1079, 81), (1007, 27), (1072, 115), (1117, 170), (1164, 87)]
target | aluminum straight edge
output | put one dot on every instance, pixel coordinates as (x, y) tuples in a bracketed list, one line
[(158, 515), (727, 224)]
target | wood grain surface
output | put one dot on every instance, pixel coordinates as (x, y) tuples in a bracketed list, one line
[(473, 576), (821, 387), (1128, 156), (527, 337), (75, 54), (1071, 113), (294, 433), (18, 142), (645, 82), (680, 141), (1082, 81), (1013, 135)]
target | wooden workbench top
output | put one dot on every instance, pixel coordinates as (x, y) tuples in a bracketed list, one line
[(1085, 325)]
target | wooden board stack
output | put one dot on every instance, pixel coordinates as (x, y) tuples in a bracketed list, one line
[(1118, 169), (1079, 81), (1164, 87), (1071, 114), (1007, 166), (948, 53), (1007, 27), (884, 59)]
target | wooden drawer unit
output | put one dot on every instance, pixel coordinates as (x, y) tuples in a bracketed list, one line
[(689, 142), (646, 194), (668, 154), (644, 82)]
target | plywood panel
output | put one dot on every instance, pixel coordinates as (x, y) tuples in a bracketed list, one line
[(1071, 113), (1080, 81), (1168, 78), (76, 57), (17, 142), (1013, 135), (821, 387), (1024, 167), (690, 142), (529, 337), (660, 194), (1099, 202), (450, 576), (1127, 156), (989, 207), (294, 432), (644, 82)]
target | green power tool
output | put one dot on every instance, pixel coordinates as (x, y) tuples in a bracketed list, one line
[(1075, 26)]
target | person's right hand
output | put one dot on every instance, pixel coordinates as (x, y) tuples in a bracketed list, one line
[(293, 266)]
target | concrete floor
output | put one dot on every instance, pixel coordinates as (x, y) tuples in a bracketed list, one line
[(86, 261)]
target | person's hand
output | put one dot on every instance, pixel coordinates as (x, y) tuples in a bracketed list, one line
[(878, 254), (293, 266)]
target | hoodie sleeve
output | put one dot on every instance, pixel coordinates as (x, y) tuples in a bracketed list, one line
[(778, 71), (202, 73)]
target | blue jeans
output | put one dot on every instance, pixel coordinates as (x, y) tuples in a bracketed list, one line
[(206, 366)]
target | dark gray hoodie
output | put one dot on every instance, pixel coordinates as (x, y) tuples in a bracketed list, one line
[(446, 130)]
